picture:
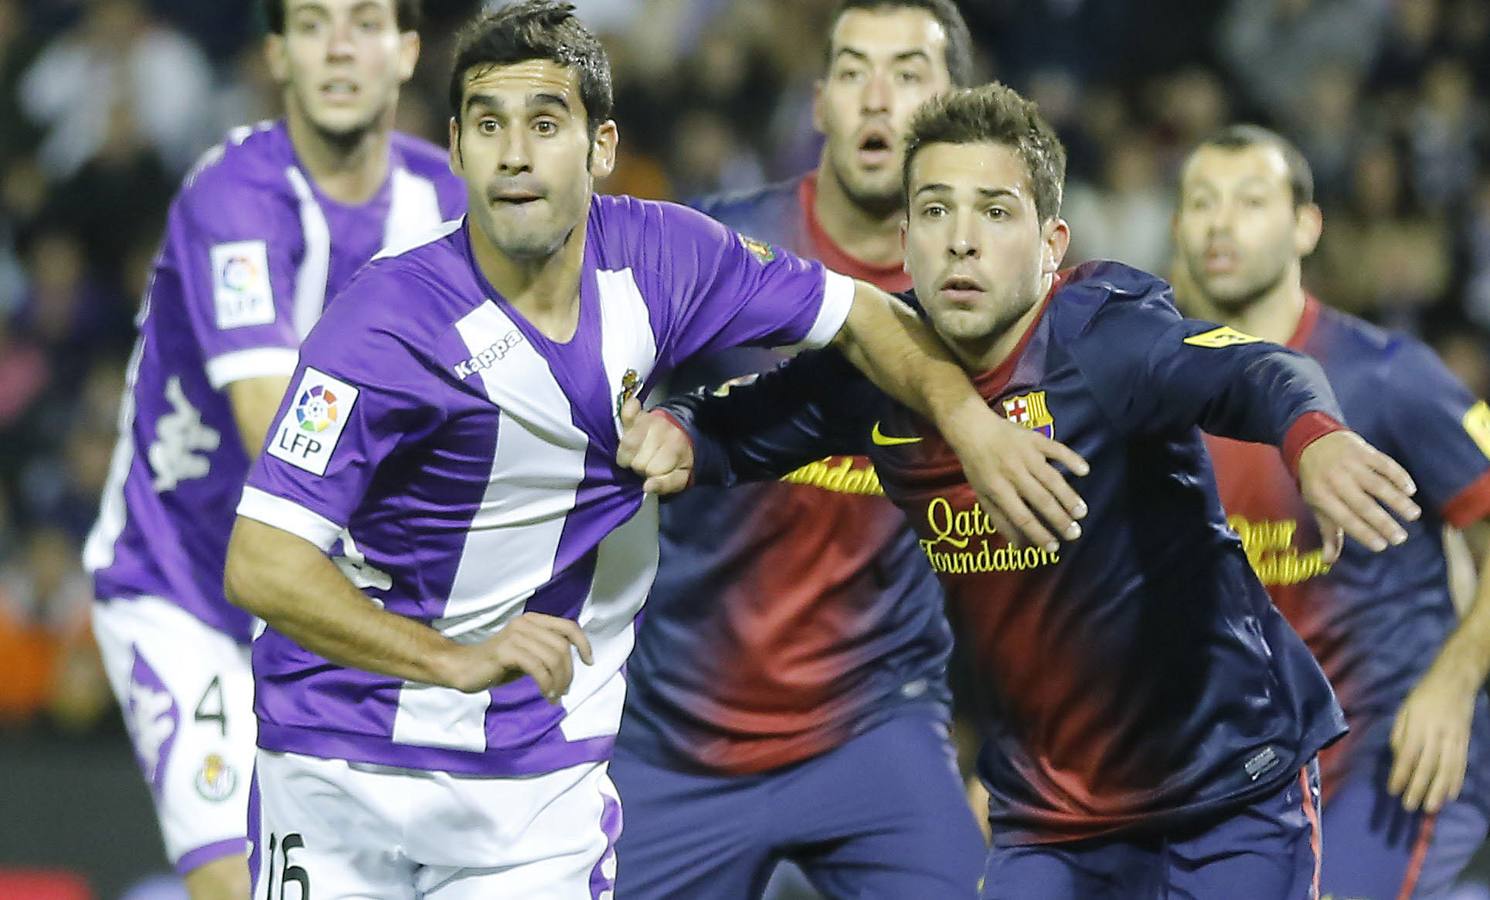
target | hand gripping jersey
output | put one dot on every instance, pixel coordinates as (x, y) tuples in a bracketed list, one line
[(1139, 678), (787, 615), (252, 251), (470, 461), (1375, 621)]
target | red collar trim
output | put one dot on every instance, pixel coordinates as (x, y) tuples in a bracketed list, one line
[(891, 278), (995, 380), (1307, 321)]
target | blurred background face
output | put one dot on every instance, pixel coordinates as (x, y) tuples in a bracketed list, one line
[(1237, 229), (341, 63), (523, 147), (975, 246), (884, 63)]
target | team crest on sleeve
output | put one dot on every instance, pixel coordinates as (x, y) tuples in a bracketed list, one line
[(240, 284), (759, 249), (311, 427), (1030, 411), (1220, 338), (1476, 422)]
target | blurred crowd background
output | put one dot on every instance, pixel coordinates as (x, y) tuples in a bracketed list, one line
[(105, 103)]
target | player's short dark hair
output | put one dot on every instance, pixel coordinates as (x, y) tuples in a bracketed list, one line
[(1242, 137), (959, 39), (535, 29), (995, 114), (407, 13)]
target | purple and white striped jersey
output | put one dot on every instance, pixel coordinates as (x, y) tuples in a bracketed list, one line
[(252, 250), (465, 464)]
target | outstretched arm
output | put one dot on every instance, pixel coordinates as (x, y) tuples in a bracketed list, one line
[(1011, 469)]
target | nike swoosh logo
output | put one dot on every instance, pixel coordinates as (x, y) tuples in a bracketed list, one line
[(884, 440)]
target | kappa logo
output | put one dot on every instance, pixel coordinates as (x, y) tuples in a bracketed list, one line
[(310, 429), (1221, 338), (881, 439), (490, 356), (1030, 411)]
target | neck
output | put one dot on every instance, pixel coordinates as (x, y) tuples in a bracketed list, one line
[(545, 290), (989, 353), (349, 172), (866, 236), (1274, 316)]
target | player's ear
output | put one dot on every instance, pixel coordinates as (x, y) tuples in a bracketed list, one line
[(408, 54), (603, 149), (1308, 224), (457, 162), (905, 258), (1055, 241), (278, 58)]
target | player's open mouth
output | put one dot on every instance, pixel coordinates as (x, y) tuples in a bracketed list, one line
[(513, 198), (340, 90), (961, 288), (875, 148)]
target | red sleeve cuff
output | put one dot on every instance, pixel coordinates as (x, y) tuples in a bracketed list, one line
[(1305, 430), (1469, 505), (679, 425)]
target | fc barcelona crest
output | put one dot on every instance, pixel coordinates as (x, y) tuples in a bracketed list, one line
[(1030, 411)]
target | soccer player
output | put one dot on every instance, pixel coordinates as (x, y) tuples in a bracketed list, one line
[(1157, 720), (1405, 793), (266, 228), (435, 716), (788, 695)]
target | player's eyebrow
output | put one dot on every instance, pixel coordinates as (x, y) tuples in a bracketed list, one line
[(937, 187), (912, 56), (544, 98)]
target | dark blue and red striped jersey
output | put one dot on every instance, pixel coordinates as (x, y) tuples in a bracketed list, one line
[(1138, 678), (1375, 621), (789, 615)]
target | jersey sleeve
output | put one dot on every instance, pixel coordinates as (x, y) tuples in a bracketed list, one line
[(234, 257), (1156, 372), (358, 397), (727, 290), (1438, 431), (763, 426)]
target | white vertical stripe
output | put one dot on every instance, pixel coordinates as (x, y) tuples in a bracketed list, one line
[(514, 536), (413, 208), (627, 341), (98, 550), (315, 266), (624, 568)]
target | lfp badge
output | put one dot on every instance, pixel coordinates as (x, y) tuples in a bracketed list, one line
[(316, 409), (308, 432), (1030, 411)]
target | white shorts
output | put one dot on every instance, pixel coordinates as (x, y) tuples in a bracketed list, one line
[(330, 829), (186, 691)]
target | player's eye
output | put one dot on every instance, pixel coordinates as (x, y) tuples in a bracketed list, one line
[(487, 125), (546, 127), (996, 212), (850, 75), (307, 26), (370, 24), (933, 211), (908, 77)]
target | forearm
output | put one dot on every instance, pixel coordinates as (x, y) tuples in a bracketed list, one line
[(299, 592), (895, 350), (1466, 654)]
